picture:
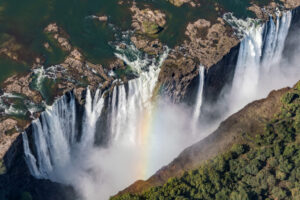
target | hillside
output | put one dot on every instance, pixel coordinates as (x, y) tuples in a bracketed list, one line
[(261, 159)]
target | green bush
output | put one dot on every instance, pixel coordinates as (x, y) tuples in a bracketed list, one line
[(289, 97), (278, 193)]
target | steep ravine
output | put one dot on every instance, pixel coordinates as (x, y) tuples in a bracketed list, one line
[(254, 154), (214, 86), (249, 120)]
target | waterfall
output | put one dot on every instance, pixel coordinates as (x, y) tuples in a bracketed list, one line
[(60, 152), (197, 109), (55, 134), (59, 148), (259, 55), (274, 39), (93, 108), (127, 108)]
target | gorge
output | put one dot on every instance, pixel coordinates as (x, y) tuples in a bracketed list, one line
[(108, 127), (62, 150)]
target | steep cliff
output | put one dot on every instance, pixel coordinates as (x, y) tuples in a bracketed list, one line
[(240, 128)]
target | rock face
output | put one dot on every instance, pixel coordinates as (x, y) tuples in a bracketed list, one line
[(250, 119), (219, 75), (7, 140), (21, 85), (209, 42), (290, 4), (176, 75)]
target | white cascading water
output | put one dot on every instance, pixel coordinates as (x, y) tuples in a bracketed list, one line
[(128, 110), (56, 141), (199, 100), (105, 171), (259, 56), (55, 135), (93, 108)]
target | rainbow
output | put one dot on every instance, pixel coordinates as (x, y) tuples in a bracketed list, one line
[(146, 127)]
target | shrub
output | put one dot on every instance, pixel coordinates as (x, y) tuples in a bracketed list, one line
[(278, 193), (280, 175), (289, 97)]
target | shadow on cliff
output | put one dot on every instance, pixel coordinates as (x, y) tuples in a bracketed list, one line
[(17, 183)]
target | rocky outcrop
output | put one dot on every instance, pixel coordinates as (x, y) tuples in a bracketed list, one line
[(149, 46), (263, 12), (179, 3), (147, 21), (176, 75), (21, 85), (7, 140), (233, 130), (290, 4), (59, 35), (209, 42), (75, 73)]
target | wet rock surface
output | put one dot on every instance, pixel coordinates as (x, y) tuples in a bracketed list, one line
[(209, 43), (176, 74)]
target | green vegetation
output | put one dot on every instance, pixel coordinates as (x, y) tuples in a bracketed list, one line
[(265, 167), (151, 28), (2, 167)]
